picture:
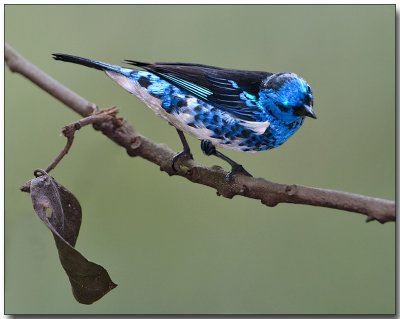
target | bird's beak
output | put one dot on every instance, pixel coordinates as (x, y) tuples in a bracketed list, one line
[(308, 110)]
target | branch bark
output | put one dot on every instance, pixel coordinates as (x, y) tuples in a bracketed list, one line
[(270, 193)]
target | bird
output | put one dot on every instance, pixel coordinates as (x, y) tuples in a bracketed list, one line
[(248, 111)]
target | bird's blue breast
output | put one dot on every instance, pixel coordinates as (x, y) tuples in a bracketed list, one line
[(206, 121)]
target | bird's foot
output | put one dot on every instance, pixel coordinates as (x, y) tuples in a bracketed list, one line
[(180, 155), (207, 147), (237, 169)]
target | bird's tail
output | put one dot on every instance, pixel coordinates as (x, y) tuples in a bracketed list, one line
[(90, 63)]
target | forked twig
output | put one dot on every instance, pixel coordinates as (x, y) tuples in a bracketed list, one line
[(69, 132)]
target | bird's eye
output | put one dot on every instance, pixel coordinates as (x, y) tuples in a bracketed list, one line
[(282, 107), (307, 100)]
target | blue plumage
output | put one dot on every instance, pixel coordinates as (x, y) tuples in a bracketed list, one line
[(248, 111)]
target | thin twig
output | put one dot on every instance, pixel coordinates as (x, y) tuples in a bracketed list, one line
[(268, 192), (64, 151), (69, 132)]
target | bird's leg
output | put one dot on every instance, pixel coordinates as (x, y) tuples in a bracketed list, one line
[(209, 149), (185, 152)]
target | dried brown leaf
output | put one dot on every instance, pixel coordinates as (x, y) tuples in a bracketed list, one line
[(61, 212)]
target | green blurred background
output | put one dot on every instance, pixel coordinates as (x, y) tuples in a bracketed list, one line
[(173, 246)]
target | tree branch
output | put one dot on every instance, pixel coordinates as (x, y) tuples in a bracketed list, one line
[(268, 192)]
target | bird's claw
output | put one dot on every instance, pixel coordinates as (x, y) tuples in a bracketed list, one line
[(178, 156), (207, 147), (237, 169)]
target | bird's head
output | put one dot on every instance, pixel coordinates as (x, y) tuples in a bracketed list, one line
[(287, 96)]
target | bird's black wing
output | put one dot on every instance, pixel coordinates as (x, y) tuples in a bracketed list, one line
[(233, 91)]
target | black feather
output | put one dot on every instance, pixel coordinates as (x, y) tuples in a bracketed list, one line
[(136, 63), (212, 84), (82, 61)]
